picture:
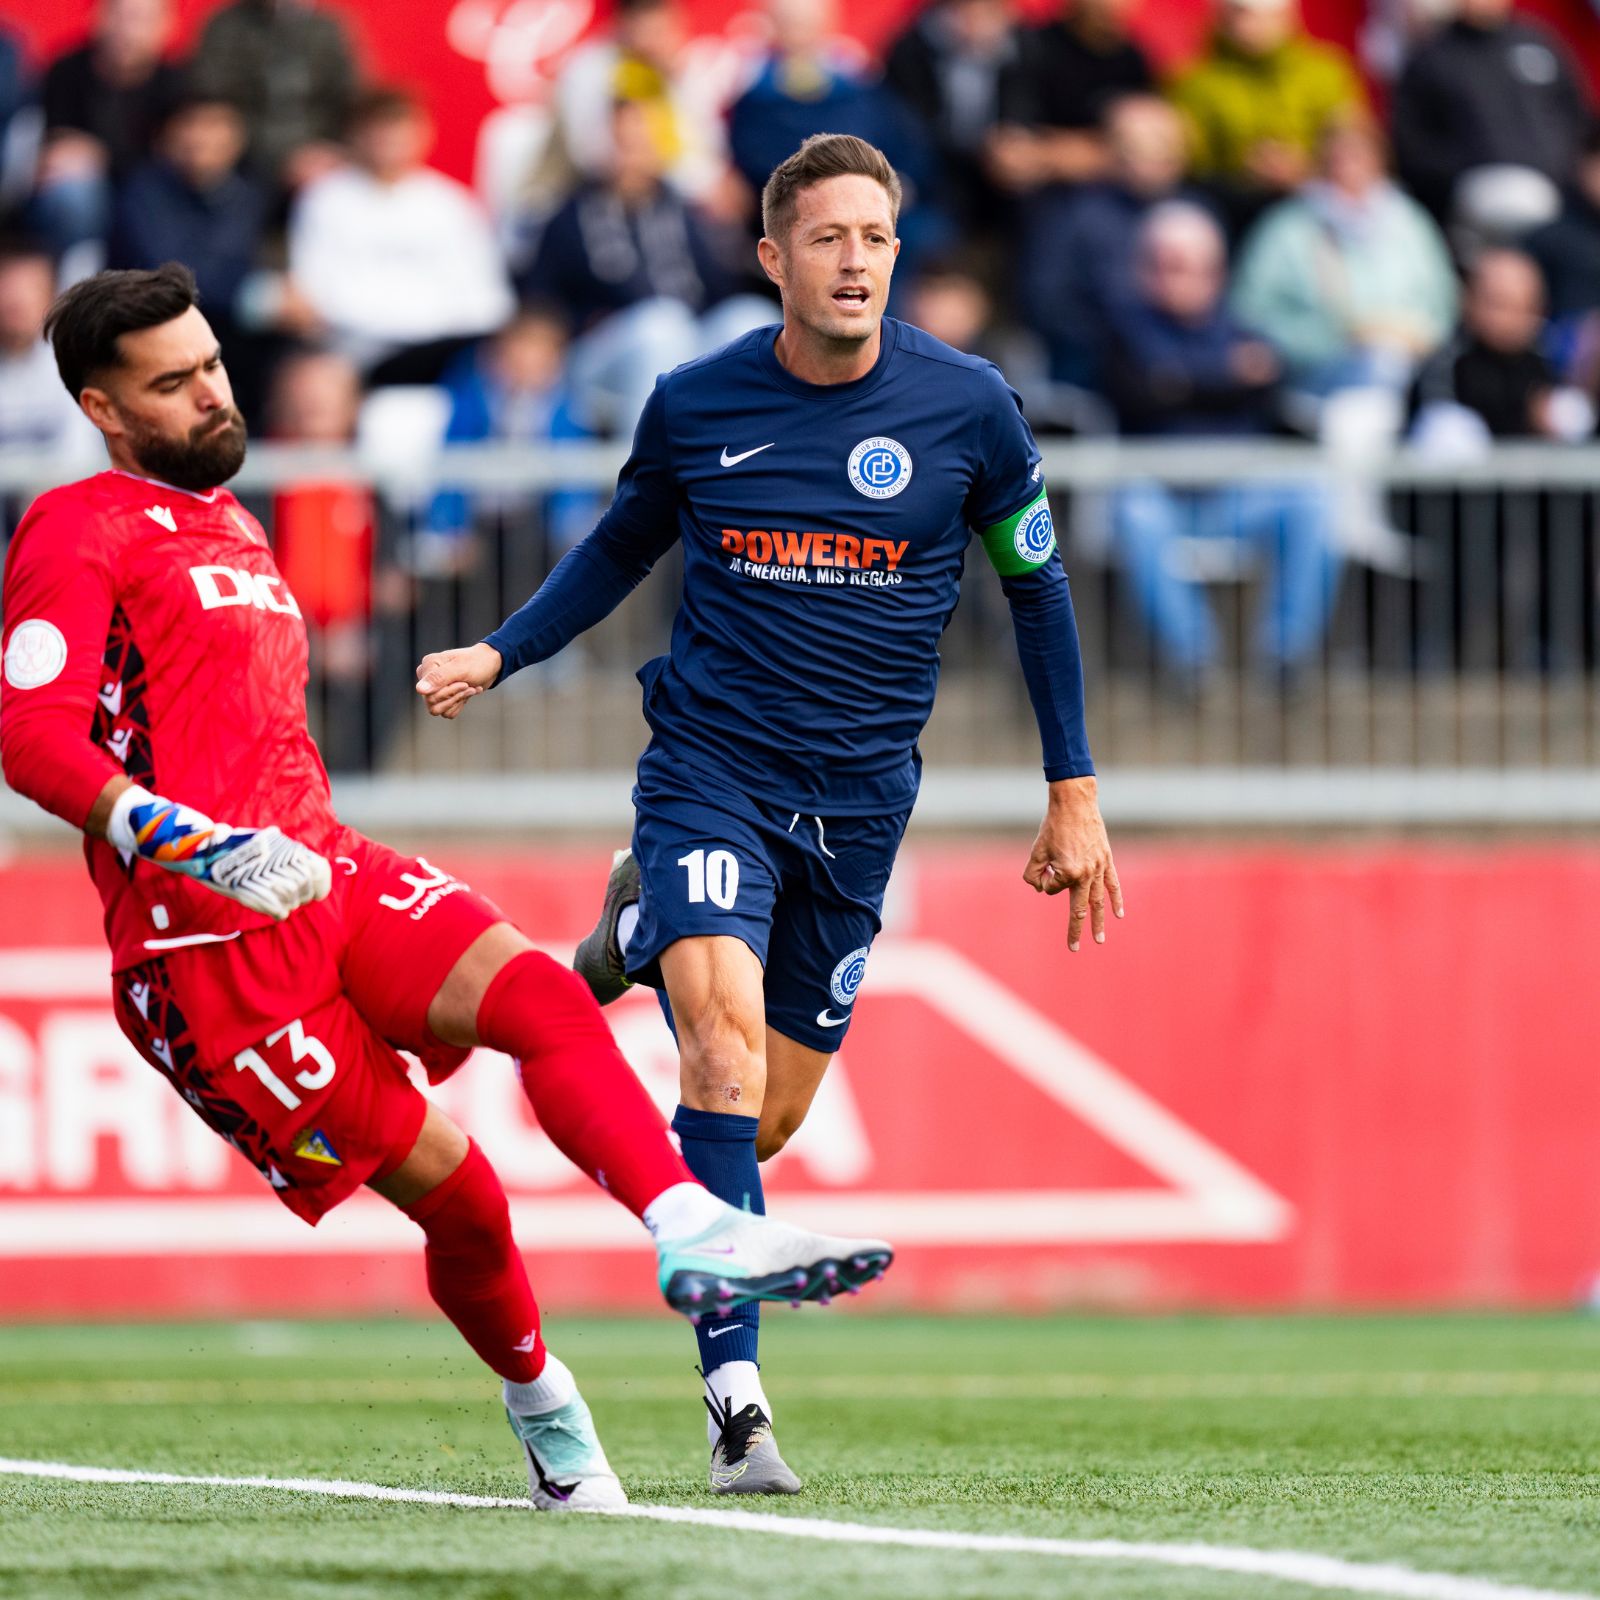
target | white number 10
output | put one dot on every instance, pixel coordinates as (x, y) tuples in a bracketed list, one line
[(713, 876)]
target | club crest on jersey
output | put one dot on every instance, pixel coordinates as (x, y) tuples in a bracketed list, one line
[(1035, 537), (880, 467), (847, 976)]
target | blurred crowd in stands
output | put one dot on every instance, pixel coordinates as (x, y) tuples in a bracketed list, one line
[(1266, 241)]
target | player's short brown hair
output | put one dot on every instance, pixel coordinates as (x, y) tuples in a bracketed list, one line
[(824, 156), (85, 323)]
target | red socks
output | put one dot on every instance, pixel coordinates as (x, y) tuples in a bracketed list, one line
[(475, 1273), (582, 1089)]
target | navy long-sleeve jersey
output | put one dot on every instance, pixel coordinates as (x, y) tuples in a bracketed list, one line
[(824, 529)]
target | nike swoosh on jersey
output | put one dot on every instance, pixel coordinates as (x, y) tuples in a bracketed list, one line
[(733, 461), (828, 1020)]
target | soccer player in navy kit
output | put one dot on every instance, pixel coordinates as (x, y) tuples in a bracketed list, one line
[(825, 480)]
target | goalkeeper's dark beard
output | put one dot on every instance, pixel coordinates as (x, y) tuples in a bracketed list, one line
[(203, 458)]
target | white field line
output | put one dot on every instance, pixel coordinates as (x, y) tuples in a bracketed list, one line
[(906, 1387), (1290, 1566)]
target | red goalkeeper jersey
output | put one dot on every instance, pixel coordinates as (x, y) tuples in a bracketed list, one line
[(147, 631)]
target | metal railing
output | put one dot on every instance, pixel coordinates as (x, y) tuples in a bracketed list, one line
[(1458, 679)]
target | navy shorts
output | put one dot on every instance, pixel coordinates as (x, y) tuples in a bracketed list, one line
[(804, 892)]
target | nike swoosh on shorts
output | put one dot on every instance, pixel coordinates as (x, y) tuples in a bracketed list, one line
[(826, 1019)]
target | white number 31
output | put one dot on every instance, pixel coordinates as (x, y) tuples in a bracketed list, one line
[(713, 876)]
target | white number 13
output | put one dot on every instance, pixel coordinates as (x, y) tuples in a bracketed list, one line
[(301, 1045), (713, 876)]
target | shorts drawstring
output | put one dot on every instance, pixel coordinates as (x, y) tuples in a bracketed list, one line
[(822, 838)]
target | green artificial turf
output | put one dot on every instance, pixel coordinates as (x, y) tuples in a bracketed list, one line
[(1457, 1444)]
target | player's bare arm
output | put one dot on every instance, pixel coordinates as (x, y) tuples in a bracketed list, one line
[(1073, 853), (100, 812)]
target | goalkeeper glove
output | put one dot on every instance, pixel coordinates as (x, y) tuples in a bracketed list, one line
[(258, 867)]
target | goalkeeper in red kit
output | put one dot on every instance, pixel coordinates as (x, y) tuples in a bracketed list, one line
[(271, 962)]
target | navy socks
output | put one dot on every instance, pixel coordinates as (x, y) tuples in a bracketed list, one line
[(720, 1150)]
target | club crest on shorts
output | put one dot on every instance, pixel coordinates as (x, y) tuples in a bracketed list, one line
[(847, 976), (880, 467), (1035, 537), (313, 1145)]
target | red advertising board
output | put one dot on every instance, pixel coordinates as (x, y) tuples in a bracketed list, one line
[(1292, 1077)]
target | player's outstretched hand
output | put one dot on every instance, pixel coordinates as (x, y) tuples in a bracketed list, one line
[(1072, 853), (447, 679)]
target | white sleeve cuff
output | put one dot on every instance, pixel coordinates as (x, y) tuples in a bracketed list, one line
[(119, 829)]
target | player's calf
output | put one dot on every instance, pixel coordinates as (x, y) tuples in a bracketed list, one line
[(582, 1090), (774, 1133), (475, 1272)]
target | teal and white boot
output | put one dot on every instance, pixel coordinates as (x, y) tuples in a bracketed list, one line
[(567, 1469), (742, 1257)]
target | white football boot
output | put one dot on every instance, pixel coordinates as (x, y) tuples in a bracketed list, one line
[(744, 1257), (567, 1469)]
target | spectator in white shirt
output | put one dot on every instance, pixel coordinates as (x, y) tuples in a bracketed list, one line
[(395, 261), (36, 412)]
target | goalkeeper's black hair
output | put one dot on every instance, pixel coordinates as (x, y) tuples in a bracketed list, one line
[(85, 323)]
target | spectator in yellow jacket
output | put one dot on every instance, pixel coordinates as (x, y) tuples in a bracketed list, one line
[(1259, 101)]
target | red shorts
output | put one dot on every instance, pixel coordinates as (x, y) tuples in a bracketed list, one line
[(286, 1040)]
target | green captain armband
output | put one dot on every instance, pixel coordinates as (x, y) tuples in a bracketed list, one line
[(1024, 542)]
